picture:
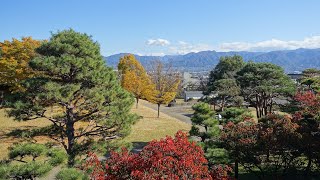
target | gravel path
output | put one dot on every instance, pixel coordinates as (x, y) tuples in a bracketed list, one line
[(52, 174)]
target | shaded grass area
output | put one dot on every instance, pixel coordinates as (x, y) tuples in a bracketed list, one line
[(10, 130)]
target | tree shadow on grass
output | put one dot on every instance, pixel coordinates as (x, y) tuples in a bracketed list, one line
[(188, 115), (30, 133)]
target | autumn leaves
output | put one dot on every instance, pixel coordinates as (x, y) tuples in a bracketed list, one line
[(14, 61), (158, 86)]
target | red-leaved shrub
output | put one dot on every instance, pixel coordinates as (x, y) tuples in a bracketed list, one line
[(169, 158)]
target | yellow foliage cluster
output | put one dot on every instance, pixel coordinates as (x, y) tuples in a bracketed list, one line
[(166, 83), (134, 77), (14, 60), (157, 87)]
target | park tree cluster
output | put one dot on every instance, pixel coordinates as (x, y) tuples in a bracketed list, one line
[(234, 82), (158, 86)]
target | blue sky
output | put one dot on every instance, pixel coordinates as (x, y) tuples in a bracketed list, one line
[(169, 26)]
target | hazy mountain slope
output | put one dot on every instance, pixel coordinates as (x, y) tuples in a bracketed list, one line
[(290, 60)]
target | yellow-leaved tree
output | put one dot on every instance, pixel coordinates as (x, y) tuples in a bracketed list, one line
[(166, 82), (134, 78), (14, 61)]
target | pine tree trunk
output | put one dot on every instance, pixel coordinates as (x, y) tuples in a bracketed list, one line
[(308, 166), (70, 136), (158, 110), (223, 103), (137, 99), (236, 168), (257, 107), (270, 107)]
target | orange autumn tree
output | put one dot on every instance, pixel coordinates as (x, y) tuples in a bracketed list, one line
[(14, 61), (166, 82), (134, 77)]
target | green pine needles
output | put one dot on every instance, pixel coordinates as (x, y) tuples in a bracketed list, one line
[(74, 79)]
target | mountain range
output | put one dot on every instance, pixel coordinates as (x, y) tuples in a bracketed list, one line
[(293, 61)]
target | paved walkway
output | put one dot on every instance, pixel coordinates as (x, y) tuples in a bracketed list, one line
[(52, 174), (182, 113)]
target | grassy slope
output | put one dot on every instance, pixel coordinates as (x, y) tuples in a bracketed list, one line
[(151, 127)]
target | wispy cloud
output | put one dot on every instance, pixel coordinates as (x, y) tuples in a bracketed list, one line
[(157, 42), (273, 44)]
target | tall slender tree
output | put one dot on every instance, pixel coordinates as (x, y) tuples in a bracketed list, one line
[(74, 78), (134, 78), (166, 82)]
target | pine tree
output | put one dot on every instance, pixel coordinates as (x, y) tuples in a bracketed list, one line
[(204, 117), (222, 80), (74, 78), (261, 83)]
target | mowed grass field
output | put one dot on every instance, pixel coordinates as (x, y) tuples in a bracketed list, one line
[(146, 129), (150, 127)]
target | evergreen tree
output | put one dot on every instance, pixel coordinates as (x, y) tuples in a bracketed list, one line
[(204, 117), (261, 83), (311, 78), (206, 127), (222, 80), (73, 77)]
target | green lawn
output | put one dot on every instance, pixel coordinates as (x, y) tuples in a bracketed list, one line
[(150, 127)]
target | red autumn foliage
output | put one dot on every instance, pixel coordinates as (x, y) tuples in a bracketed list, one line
[(221, 172), (308, 104), (239, 135), (169, 158), (308, 119)]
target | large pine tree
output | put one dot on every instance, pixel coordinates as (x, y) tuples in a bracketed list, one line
[(75, 80)]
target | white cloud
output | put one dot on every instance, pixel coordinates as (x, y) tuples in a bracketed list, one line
[(158, 42), (273, 44), (165, 47), (156, 54), (184, 48)]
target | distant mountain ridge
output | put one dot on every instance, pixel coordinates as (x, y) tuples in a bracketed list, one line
[(290, 60)]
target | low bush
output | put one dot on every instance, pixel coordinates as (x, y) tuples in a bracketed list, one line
[(57, 156), (71, 174), (25, 171)]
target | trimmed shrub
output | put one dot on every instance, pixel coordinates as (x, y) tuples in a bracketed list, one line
[(29, 170), (27, 149), (57, 156)]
